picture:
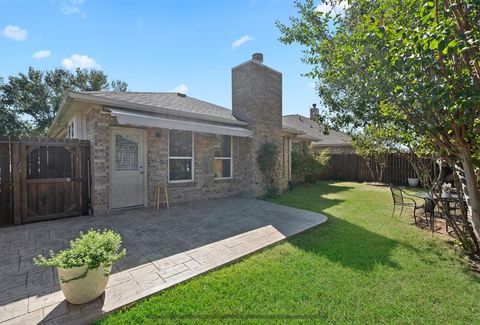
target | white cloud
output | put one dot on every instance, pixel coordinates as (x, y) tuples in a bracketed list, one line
[(242, 40), (14, 32), (72, 7), (80, 61), (326, 6), (41, 54), (182, 89)]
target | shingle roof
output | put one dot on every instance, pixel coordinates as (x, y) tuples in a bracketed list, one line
[(166, 100), (314, 130)]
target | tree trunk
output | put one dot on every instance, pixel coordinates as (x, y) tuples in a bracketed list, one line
[(470, 189)]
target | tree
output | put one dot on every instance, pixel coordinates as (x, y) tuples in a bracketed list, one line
[(30, 101), (411, 63), (373, 146)]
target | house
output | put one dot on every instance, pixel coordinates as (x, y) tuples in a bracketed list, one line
[(196, 149), (335, 142)]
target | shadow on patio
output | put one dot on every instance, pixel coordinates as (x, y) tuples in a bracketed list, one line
[(164, 247)]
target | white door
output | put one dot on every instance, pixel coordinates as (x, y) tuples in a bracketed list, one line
[(127, 179)]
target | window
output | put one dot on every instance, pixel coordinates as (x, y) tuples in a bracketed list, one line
[(126, 154), (71, 130), (180, 156), (223, 157)]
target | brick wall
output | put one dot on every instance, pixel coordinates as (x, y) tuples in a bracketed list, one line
[(257, 99), (204, 185)]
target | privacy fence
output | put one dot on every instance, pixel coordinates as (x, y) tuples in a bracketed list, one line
[(351, 167), (42, 178)]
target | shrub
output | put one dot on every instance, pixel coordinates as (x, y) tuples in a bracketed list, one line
[(267, 159), (307, 165), (91, 250)]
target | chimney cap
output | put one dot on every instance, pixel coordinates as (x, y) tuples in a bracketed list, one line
[(257, 57), (314, 105)]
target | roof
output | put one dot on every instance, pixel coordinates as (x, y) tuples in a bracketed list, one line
[(168, 103), (314, 131)]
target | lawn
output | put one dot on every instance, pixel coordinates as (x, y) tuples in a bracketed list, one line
[(361, 266)]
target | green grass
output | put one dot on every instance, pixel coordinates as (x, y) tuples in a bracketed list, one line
[(361, 266)]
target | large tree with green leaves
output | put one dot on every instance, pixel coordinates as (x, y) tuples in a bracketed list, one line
[(414, 64), (28, 102)]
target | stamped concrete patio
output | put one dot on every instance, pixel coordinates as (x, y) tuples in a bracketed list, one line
[(165, 247)]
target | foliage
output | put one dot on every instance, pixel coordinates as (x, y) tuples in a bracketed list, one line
[(343, 271), (374, 145), (414, 64), (29, 101), (91, 250), (267, 160), (306, 164)]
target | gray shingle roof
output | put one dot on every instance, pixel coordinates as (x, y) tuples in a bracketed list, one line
[(313, 129), (166, 100)]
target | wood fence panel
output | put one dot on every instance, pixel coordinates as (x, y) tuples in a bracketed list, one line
[(47, 179), (351, 167)]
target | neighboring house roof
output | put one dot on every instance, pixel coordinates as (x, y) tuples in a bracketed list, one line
[(314, 131)]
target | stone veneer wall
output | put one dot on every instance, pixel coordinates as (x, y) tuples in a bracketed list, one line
[(204, 186), (98, 132), (257, 99)]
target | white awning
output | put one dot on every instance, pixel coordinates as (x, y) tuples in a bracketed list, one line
[(140, 119)]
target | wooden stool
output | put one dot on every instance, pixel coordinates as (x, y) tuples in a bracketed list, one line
[(161, 197)]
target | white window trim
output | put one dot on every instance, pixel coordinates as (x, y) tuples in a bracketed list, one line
[(186, 158), (225, 158)]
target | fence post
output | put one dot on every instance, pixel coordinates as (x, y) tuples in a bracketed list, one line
[(17, 211)]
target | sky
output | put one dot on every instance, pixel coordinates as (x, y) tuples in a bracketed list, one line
[(164, 45)]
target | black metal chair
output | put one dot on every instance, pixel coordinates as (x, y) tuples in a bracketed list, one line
[(403, 199)]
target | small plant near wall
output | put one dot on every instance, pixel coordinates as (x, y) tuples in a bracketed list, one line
[(307, 165), (84, 268), (267, 159)]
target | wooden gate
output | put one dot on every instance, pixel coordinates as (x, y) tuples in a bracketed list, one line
[(47, 179)]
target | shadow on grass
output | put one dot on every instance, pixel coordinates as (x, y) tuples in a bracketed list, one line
[(339, 240)]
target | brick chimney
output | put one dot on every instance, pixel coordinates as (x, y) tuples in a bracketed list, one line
[(314, 112), (257, 99)]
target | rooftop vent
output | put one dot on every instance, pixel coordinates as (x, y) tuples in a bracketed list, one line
[(257, 57)]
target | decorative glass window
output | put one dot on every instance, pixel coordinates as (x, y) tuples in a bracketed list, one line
[(126, 152), (223, 157), (180, 156), (71, 130)]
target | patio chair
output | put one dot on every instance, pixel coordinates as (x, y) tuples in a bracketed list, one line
[(451, 212), (403, 199)]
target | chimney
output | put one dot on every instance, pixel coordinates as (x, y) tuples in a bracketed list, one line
[(257, 100), (314, 112), (258, 57)]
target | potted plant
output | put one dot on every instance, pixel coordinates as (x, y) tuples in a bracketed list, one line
[(84, 268), (412, 181)]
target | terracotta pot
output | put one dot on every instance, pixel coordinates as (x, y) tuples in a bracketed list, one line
[(85, 289), (413, 182)]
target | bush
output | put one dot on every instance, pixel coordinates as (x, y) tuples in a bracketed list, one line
[(267, 159), (91, 250), (307, 165)]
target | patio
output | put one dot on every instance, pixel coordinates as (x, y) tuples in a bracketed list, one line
[(164, 248)]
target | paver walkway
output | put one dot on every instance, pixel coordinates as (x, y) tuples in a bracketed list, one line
[(164, 247)]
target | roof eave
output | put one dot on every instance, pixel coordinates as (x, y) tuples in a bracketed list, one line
[(147, 108)]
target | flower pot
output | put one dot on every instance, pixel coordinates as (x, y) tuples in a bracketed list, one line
[(412, 181), (85, 289)]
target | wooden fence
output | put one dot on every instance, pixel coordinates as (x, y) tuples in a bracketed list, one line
[(43, 179), (351, 167)]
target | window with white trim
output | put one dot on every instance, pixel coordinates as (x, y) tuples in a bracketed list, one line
[(180, 156), (71, 130), (223, 157)]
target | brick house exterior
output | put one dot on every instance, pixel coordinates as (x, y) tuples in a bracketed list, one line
[(148, 120)]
